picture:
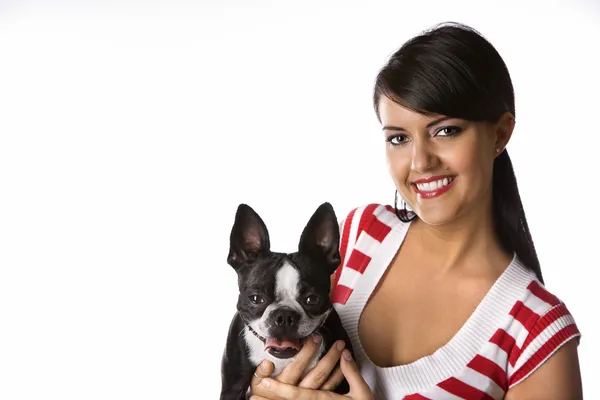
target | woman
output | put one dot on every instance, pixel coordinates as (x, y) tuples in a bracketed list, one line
[(444, 288)]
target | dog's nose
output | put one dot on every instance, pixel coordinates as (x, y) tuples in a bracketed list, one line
[(286, 318)]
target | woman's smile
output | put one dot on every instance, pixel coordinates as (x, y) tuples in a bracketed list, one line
[(434, 186)]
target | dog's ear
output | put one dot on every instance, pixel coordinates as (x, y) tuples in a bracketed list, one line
[(249, 238), (320, 239)]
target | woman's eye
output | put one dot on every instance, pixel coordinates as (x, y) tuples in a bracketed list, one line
[(397, 140), (312, 300), (256, 299), (448, 131)]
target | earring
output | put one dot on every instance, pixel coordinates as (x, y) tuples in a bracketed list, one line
[(497, 150), (404, 214)]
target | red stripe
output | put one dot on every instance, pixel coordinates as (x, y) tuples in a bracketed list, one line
[(372, 225), (503, 340), (415, 396), (358, 261), (548, 318), (524, 315), (541, 293), (461, 389), (378, 230), (490, 369), (344, 245), (366, 219), (341, 294), (538, 358)]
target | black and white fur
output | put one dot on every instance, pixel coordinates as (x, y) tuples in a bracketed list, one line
[(281, 295)]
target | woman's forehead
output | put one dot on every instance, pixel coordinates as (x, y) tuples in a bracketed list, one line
[(393, 113)]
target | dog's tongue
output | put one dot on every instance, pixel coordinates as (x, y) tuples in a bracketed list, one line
[(282, 344)]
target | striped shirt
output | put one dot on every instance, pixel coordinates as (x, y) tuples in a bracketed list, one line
[(516, 327)]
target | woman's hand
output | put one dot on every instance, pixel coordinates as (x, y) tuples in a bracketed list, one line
[(320, 377), (275, 389)]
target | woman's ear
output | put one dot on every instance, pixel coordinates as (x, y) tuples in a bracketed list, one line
[(503, 130)]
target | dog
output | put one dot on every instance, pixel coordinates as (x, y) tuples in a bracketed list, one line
[(283, 298)]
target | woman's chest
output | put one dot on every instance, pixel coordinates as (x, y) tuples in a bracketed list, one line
[(407, 319)]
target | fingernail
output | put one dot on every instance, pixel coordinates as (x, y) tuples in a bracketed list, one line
[(264, 364), (265, 382), (317, 338), (347, 356), (340, 345)]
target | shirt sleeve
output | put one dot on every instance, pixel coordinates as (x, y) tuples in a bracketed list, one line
[(550, 332)]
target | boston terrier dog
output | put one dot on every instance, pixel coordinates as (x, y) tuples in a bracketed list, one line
[(283, 298)]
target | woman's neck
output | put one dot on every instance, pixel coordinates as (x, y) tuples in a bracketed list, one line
[(466, 240)]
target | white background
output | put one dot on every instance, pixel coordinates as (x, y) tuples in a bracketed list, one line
[(130, 132)]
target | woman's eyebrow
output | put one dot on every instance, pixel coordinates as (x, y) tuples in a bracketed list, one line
[(429, 125)]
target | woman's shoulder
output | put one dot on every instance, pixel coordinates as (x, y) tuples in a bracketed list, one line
[(540, 324), (363, 231), (534, 299)]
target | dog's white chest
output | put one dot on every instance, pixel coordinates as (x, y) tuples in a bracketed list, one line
[(257, 354)]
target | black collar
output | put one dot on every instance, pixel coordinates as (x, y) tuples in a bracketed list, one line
[(262, 339)]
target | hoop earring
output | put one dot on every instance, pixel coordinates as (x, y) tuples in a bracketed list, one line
[(403, 214)]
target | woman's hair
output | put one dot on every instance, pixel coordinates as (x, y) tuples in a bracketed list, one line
[(453, 70)]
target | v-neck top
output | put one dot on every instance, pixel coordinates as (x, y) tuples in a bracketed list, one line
[(515, 328)]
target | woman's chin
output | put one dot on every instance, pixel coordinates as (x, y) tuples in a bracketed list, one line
[(436, 217)]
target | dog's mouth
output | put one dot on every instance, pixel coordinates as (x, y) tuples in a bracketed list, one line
[(284, 347)]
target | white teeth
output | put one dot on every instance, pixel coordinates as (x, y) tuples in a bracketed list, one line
[(430, 186)]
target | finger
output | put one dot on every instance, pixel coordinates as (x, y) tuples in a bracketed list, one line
[(264, 370), (358, 386), (319, 374), (290, 392), (334, 380), (292, 373)]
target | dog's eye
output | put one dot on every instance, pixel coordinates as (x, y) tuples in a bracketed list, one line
[(312, 300), (256, 299)]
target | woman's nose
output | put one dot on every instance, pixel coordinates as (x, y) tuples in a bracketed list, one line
[(423, 157)]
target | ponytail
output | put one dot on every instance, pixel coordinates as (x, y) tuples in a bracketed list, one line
[(509, 215)]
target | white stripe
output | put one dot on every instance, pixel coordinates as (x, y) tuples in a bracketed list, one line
[(348, 277), (492, 352), (537, 305), (287, 280), (384, 216), (366, 244), (514, 328), (437, 392), (522, 335), (481, 382), (517, 331), (542, 338)]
